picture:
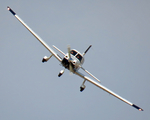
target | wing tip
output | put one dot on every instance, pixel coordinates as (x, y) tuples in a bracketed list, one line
[(9, 9), (137, 107)]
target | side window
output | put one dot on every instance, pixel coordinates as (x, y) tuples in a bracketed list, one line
[(73, 52), (79, 57)]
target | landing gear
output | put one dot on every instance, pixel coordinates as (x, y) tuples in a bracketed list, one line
[(82, 87), (61, 72), (45, 58)]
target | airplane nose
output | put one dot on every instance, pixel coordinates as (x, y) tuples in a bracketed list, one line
[(74, 62)]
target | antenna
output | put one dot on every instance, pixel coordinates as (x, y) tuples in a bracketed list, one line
[(87, 50)]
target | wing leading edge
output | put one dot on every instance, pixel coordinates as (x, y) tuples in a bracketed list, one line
[(76, 72), (35, 35), (107, 90)]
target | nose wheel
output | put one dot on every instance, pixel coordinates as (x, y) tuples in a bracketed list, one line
[(82, 87), (61, 72)]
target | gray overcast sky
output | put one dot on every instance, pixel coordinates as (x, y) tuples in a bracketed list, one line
[(119, 57)]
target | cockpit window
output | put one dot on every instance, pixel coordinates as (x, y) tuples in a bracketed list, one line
[(73, 52), (79, 57)]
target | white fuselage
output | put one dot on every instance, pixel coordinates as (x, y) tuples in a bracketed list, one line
[(76, 59)]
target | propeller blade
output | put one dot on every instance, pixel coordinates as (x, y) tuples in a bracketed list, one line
[(69, 52), (69, 60)]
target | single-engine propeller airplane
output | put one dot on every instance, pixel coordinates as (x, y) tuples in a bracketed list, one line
[(73, 61)]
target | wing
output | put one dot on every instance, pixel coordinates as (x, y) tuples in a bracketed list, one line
[(35, 35), (107, 90), (90, 74)]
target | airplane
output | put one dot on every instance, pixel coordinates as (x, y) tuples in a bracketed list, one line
[(73, 61)]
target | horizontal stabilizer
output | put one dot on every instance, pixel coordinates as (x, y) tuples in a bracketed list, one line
[(87, 50)]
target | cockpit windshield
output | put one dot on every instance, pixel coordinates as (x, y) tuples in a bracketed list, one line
[(79, 57), (73, 52)]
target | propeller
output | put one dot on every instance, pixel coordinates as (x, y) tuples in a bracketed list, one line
[(69, 60)]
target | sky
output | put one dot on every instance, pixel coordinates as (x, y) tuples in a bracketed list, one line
[(119, 34)]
